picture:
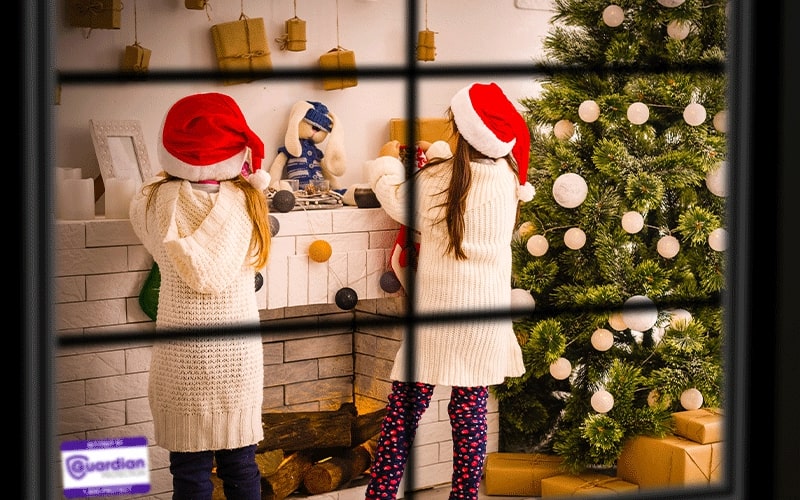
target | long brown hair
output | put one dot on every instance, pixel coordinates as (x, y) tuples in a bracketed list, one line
[(458, 189), (257, 209)]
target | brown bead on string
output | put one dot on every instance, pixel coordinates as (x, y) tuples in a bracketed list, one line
[(426, 45)]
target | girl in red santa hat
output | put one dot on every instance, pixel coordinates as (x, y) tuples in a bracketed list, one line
[(205, 221), (465, 210)]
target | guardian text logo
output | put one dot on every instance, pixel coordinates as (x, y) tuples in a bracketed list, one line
[(102, 467)]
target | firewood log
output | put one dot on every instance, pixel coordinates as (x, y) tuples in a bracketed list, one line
[(334, 472), (288, 478)]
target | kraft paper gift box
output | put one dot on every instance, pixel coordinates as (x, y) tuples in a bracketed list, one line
[(670, 461), (241, 46), (701, 426), (136, 58), (426, 129), (519, 474), (195, 4), (338, 59), (101, 14), (585, 484)]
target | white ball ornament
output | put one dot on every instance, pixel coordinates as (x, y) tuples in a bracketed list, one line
[(632, 222), (678, 30), (522, 299), (721, 121), (679, 318), (613, 15), (668, 246), (560, 368), (694, 114), (574, 238), (691, 399), (638, 113), (537, 245), (639, 313), (718, 239), (570, 190), (717, 179), (602, 339), (671, 3), (616, 322), (602, 401), (563, 129), (589, 111)]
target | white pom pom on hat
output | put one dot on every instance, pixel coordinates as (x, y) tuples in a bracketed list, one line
[(205, 137), (488, 120)]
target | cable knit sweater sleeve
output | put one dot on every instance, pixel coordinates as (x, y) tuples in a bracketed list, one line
[(387, 179)]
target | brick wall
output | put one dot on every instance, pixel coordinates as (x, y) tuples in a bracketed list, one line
[(316, 356)]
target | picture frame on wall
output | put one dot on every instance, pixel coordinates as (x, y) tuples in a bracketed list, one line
[(121, 150)]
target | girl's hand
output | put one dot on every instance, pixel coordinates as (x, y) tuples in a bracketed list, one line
[(391, 148)]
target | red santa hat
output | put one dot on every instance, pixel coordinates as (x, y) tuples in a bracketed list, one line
[(205, 137), (488, 120)]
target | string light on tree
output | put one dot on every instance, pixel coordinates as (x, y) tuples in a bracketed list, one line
[(560, 369), (638, 113), (671, 3), (632, 222), (639, 313), (616, 322), (694, 114), (526, 230), (717, 179), (691, 399), (602, 339), (570, 190), (679, 318), (720, 121), (613, 15), (522, 300), (602, 401), (589, 111), (718, 239), (668, 246), (574, 238), (537, 245), (678, 29), (563, 129)]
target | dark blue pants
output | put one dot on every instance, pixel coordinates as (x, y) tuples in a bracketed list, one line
[(191, 474)]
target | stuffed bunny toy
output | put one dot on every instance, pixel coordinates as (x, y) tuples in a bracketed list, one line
[(310, 123)]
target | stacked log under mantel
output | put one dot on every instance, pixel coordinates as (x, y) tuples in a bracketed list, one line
[(313, 452)]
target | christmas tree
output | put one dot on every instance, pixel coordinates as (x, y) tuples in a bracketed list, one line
[(623, 246)]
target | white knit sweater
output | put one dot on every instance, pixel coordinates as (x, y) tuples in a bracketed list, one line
[(466, 353), (205, 392)]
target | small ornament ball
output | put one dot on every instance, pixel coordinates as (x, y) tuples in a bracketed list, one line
[(717, 179), (389, 282), (522, 300), (694, 114), (616, 322), (678, 30), (570, 190), (671, 3), (602, 339), (632, 222), (346, 298), (320, 250), (526, 229), (560, 368), (639, 313), (691, 399), (638, 113), (274, 225), (668, 246), (563, 129), (537, 245), (613, 15), (679, 318), (283, 201), (718, 239), (574, 238), (721, 121), (589, 111), (602, 401)]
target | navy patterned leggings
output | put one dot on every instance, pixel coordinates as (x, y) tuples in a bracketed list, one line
[(407, 402)]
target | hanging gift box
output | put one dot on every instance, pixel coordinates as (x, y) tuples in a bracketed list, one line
[(426, 129), (338, 59), (295, 34), (136, 58), (195, 4), (426, 47), (99, 14), (241, 46)]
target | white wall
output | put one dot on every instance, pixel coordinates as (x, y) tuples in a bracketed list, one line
[(468, 32)]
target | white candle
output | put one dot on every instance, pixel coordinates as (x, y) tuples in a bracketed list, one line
[(119, 193), (75, 199)]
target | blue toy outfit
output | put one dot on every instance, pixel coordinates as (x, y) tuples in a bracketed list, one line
[(307, 166)]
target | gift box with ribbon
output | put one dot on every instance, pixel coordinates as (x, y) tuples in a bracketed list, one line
[(701, 426), (653, 462), (338, 59), (136, 58), (585, 484), (241, 46), (100, 14), (519, 474)]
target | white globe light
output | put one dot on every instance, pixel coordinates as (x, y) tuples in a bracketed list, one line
[(668, 246), (522, 299), (691, 399), (632, 222), (589, 111), (639, 313), (694, 114), (569, 190), (679, 318), (717, 179), (602, 401), (525, 229), (574, 238), (670, 3), (602, 339), (718, 239), (656, 399), (560, 368), (563, 129), (616, 322), (638, 113), (537, 245), (613, 15), (721, 121), (678, 30)]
